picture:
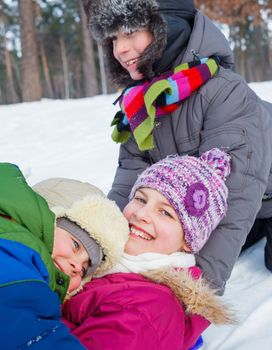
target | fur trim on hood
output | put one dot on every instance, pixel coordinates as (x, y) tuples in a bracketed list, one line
[(103, 220), (106, 17), (88, 207), (195, 295)]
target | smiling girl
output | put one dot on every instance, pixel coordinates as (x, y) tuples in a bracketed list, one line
[(180, 96), (155, 296)]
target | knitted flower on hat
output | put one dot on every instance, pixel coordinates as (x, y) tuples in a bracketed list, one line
[(196, 189)]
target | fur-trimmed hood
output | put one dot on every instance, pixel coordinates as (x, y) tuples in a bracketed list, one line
[(169, 21), (195, 295), (88, 207), (103, 220)]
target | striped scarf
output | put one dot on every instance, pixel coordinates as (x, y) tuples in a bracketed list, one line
[(141, 104)]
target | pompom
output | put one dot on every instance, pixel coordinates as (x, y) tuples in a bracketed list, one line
[(219, 160)]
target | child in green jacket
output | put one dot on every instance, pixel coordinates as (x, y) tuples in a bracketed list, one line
[(46, 255)]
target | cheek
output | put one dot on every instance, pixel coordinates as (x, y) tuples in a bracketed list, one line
[(177, 240), (56, 250), (143, 43), (172, 235), (114, 52), (128, 210)]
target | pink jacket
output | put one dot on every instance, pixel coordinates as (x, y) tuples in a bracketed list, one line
[(129, 311)]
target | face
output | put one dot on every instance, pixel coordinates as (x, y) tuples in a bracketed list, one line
[(128, 47), (70, 256), (154, 225)]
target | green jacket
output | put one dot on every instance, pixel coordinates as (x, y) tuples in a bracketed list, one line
[(32, 222)]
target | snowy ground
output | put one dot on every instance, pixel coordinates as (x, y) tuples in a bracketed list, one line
[(72, 139)]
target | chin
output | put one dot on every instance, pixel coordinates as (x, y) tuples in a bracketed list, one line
[(131, 250), (136, 76)]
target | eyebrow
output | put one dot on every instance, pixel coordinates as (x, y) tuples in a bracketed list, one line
[(160, 202)]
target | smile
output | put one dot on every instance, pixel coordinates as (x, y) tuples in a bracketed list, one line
[(141, 234), (131, 62), (58, 266)]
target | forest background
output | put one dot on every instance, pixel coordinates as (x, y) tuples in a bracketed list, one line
[(46, 50)]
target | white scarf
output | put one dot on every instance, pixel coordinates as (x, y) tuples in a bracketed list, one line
[(149, 261)]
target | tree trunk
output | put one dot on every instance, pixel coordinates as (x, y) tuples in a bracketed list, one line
[(31, 76), (242, 63), (12, 96), (89, 68), (262, 64), (65, 68), (103, 77), (17, 75), (44, 61), (49, 89)]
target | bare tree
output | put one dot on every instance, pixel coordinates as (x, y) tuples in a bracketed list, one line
[(248, 32), (31, 76), (89, 68), (64, 67), (44, 60), (12, 96)]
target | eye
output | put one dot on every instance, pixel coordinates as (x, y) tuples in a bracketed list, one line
[(130, 32), (139, 199), (76, 244), (166, 213)]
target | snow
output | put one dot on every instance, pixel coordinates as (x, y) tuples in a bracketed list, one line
[(57, 138)]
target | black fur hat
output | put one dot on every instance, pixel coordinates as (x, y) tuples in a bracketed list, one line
[(106, 17)]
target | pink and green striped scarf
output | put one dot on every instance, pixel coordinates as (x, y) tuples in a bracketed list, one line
[(142, 104)]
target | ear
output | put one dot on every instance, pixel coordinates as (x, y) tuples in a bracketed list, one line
[(186, 248)]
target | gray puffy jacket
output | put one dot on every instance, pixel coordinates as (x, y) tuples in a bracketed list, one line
[(223, 113)]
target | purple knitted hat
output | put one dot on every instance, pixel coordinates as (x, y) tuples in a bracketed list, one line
[(195, 187)]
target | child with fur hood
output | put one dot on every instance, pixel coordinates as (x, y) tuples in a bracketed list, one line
[(46, 254), (183, 98), (155, 297)]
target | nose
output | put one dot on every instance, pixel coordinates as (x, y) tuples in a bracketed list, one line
[(76, 266), (143, 214)]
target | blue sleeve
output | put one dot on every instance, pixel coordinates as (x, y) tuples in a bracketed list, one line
[(20, 263), (30, 318), (30, 312)]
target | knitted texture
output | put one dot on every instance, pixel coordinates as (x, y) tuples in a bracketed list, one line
[(143, 103), (195, 188)]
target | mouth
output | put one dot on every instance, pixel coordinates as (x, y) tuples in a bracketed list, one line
[(58, 266), (131, 62), (135, 231)]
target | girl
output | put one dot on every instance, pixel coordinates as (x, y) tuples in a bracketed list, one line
[(155, 296), (182, 98)]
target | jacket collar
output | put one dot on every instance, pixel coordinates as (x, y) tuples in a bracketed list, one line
[(195, 295)]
